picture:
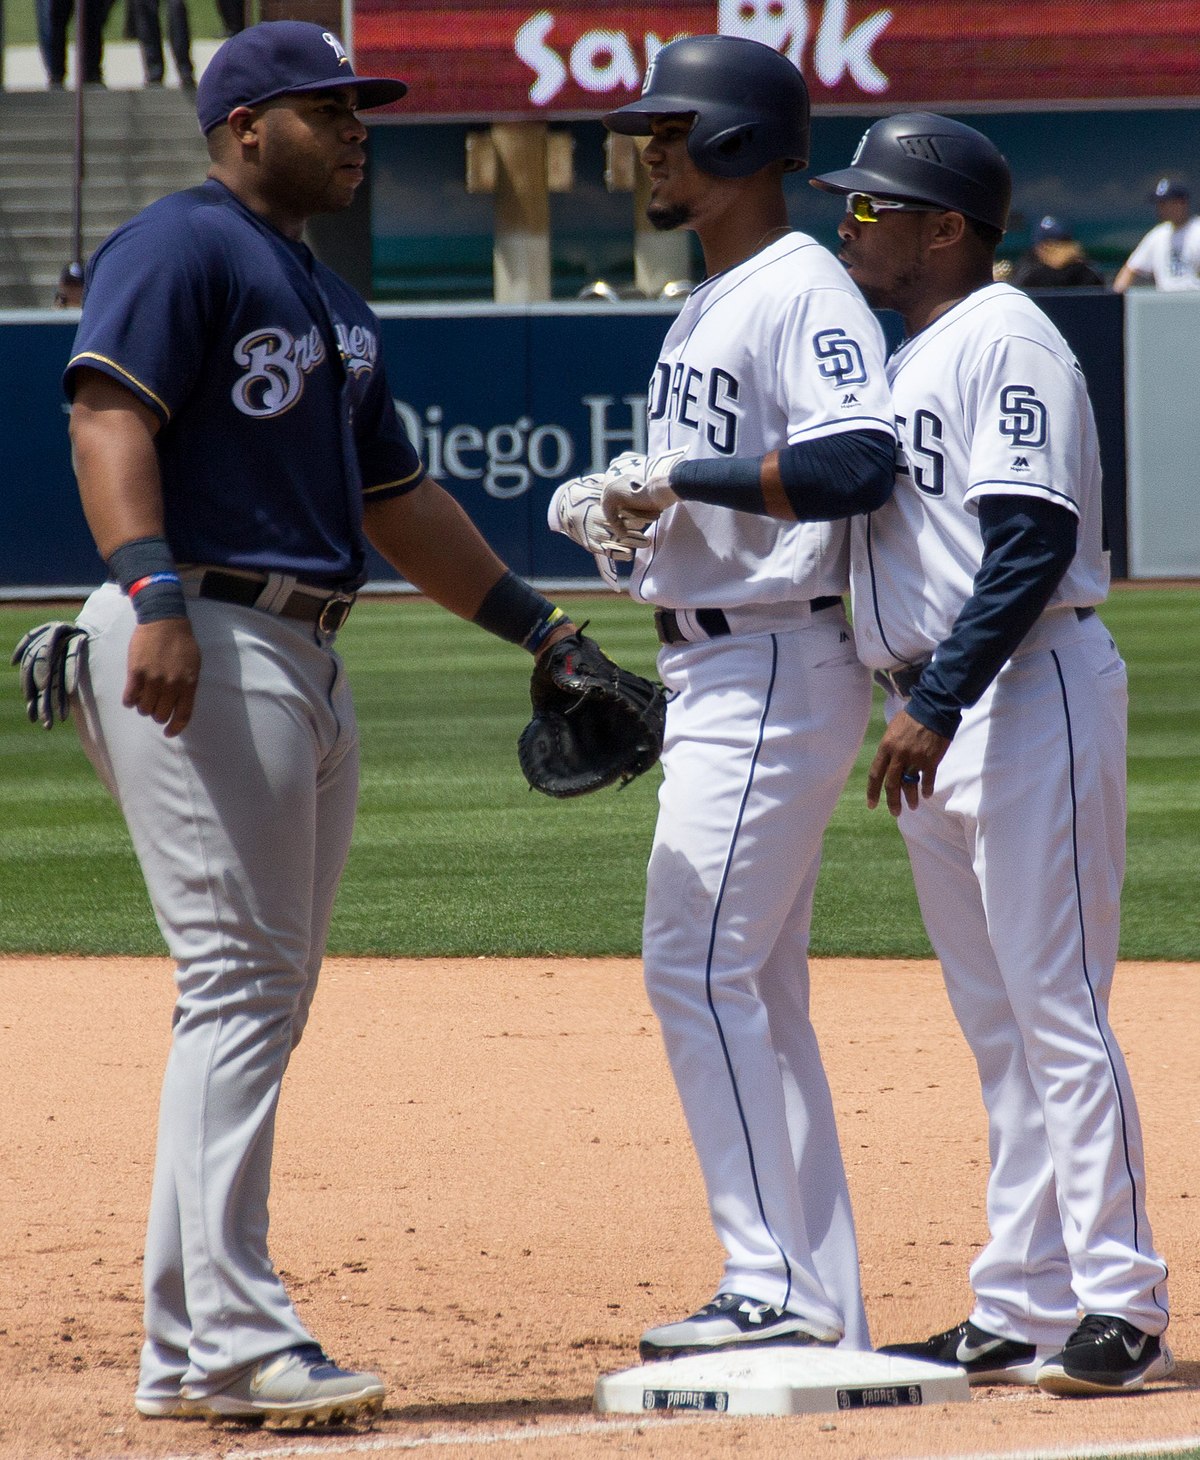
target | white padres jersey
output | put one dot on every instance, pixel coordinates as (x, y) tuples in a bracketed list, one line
[(779, 349), (1171, 255), (989, 400)]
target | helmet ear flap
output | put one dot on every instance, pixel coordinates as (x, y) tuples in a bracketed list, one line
[(724, 153)]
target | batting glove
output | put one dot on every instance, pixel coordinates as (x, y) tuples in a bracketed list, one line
[(48, 660), (638, 495)]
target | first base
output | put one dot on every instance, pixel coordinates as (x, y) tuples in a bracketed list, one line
[(782, 1379)]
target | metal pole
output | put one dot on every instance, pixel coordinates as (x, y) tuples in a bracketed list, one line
[(77, 194)]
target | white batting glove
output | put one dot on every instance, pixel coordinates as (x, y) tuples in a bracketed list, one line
[(575, 512), (636, 496)]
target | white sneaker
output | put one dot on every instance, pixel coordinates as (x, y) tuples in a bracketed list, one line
[(297, 1387)]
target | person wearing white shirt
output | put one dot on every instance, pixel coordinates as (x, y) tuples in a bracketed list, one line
[(1169, 254)]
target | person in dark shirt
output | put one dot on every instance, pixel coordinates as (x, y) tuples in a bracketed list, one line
[(1055, 260)]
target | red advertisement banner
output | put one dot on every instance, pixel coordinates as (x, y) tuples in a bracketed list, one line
[(574, 58)]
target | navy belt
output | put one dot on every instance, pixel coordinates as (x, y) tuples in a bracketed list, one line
[(327, 608), (712, 621)]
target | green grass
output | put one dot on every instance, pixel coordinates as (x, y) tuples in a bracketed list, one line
[(1160, 1454), (454, 855)]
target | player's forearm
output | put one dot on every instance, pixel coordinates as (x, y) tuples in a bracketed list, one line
[(430, 541), (820, 480)]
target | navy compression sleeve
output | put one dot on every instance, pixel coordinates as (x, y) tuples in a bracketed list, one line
[(1028, 544), (823, 479)]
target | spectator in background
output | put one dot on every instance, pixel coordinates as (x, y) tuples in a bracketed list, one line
[(68, 292), (54, 17), (1055, 260), (233, 15), (1169, 255), (143, 20)]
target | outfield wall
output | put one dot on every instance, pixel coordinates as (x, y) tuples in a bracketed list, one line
[(506, 402)]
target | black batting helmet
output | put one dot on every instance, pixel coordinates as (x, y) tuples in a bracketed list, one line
[(917, 157), (750, 103)]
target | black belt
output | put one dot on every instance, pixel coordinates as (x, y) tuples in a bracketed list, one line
[(712, 621), (327, 608)]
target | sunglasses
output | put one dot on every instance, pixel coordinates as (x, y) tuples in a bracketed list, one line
[(865, 209)]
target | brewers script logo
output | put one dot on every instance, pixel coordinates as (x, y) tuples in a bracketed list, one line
[(275, 362)]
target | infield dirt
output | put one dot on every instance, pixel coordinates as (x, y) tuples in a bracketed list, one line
[(484, 1190)]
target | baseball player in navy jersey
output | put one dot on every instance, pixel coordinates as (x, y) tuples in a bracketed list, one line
[(974, 593), (236, 443), (770, 384)]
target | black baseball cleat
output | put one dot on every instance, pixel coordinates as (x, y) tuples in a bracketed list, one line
[(1105, 1355), (729, 1321), (987, 1358)]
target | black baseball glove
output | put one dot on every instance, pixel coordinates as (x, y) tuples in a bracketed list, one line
[(593, 722), (48, 660)]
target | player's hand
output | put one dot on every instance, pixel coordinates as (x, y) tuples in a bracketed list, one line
[(638, 495), (575, 512), (905, 765), (163, 671)]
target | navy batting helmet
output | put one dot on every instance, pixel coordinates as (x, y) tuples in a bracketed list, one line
[(917, 157), (750, 103)]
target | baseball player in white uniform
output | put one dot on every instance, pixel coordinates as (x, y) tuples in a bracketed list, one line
[(974, 593), (770, 385), (1169, 255)]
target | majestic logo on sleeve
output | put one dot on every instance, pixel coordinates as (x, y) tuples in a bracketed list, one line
[(840, 359), (275, 362)]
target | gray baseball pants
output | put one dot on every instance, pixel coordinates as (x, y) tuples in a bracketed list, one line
[(242, 825)]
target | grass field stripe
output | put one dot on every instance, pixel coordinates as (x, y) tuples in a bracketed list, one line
[(1188, 1445)]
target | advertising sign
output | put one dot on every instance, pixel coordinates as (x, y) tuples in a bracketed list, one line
[(494, 412), (577, 58)]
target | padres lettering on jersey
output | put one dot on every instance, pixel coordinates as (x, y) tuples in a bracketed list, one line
[(779, 349), (687, 397), (1027, 429)]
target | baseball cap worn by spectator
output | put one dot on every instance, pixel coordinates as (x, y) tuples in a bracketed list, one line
[(281, 58), (1167, 188), (1051, 230)]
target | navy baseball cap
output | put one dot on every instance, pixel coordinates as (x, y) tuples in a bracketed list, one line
[(280, 58), (1051, 230), (1167, 188)]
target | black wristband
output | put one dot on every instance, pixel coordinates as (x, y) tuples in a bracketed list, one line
[(514, 611), (145, 569)]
